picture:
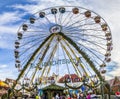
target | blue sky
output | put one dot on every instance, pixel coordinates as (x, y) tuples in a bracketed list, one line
[(14, 12)]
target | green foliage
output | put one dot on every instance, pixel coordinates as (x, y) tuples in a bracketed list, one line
[(53, 87), (4, 96)]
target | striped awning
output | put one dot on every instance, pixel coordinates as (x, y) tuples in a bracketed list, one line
[(3, 84)]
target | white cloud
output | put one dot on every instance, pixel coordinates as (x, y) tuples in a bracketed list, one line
[(5, 29), (10, 17), (42, 4), (113, 73), (8, 71), (3, 66), (6, 45), (8, 23), (8, 29), (7, 36), (27, 8)]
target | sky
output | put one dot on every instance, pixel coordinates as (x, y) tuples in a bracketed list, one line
[(14, 12)]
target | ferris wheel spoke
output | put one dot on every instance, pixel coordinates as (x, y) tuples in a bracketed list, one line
[(76, 22), (81, 26), (36, 31), (72, 30), (55, 18), (67, 22), (92, 51), (70, 57), (80, 63), (91, 42), (51, 55), (86, 66), (45, 22), (29, 48), (38, 64), (76, 58), (23, 61), (34, 27), (83, 54), (86, 35), (48, 20), (60, 18), (32, 43), (95, 36), (74, 19), (82, 29), (66, 64), (32, 40), (27, 72), (37, 58), (79, 22), (101, 37), (55, 50), (34, 36), (95, 62), (87, 39), (65, 18), (83, 70)]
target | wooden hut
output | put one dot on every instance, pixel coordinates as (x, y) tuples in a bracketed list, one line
[(51, 91)]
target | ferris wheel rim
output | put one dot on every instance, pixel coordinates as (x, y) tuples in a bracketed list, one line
[(58, 31)]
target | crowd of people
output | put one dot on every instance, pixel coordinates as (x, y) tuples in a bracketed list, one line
[(90, 95)]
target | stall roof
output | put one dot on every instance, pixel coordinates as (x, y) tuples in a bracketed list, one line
[(53, 87)]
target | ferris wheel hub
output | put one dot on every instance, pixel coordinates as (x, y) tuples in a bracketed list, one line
[(55, 29)]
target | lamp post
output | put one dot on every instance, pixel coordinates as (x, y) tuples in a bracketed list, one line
[(102, 89), (36, 88), (67, 80), (118, 87), (9, 92), (23, 86), (102, 82), (35, 85), (25, 83)]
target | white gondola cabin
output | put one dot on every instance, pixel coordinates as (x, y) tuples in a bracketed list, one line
[(104, 27), (25, 27), (75, 10), (32, 20), (62, 10), (42, 14), (97, 19), (88, 14), (54, 11), (20, 35)]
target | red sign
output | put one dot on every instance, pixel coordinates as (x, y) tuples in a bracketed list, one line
[(117, 93)]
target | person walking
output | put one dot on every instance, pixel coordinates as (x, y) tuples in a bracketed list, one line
[(37, 97), (57, 96), (81, 96), (88, 96)]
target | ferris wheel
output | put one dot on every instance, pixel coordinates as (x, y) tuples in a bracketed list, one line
[(63, 40)]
